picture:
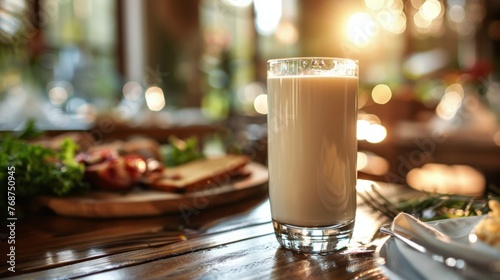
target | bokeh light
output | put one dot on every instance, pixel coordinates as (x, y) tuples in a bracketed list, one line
[(363, 127), (376, 133), (287, 33), (378, 165), (369, 128), (395, 5), (372, 164), (381, 94), (155, 99), (362, 161), (420, 21), (58, 95), (246, 96), (398, 25), (59, 91), (446, 179), (430, 9), (374, 4), (132, 91), (87, 112), (417, 3), (450, 102), (456, 13), (260, 104)]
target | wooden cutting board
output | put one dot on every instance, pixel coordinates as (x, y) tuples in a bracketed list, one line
[(141, 202)]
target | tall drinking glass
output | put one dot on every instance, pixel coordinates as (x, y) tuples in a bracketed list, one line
[(312, 115)]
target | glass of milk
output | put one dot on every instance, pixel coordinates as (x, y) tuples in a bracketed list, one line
[(312, 115)]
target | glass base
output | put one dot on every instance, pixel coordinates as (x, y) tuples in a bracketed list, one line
[(313, 240)]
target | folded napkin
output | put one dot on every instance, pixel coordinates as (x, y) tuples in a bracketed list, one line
[(447, 238)]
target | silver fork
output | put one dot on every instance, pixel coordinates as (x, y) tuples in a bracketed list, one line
[(470, 268)]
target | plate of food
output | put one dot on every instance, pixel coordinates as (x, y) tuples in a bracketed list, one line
[(136, 177), (474, 256), (194, 186), (486, 234)]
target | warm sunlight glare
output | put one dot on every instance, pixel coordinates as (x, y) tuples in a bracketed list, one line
[(267, 15), (359, 29)]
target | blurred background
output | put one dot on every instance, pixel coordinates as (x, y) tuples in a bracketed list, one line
[(429, 97)]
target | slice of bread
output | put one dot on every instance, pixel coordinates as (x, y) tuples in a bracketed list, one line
[(198, 174)]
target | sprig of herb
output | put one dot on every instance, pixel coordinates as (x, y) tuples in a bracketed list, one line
[(432, 206), (179, 151), (428, 206)]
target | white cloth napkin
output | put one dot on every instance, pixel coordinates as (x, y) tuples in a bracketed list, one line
[(446, 237)]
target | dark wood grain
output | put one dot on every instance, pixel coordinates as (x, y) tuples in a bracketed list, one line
[(230, 242), (250, 259), (47, 241), (144, 256)]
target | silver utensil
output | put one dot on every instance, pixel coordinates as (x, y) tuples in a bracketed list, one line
[(468, 267)]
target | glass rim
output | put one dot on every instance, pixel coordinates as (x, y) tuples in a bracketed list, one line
[(313, 67), (312, 57)]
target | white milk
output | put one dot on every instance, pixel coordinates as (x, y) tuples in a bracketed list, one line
[(312, 149)]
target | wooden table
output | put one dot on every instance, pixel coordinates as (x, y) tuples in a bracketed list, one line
[(229, 242)]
